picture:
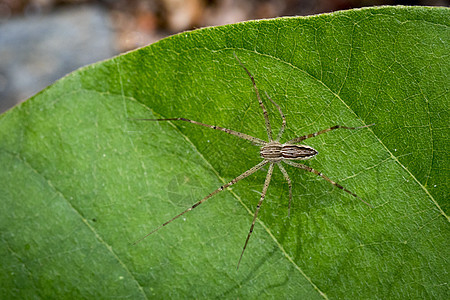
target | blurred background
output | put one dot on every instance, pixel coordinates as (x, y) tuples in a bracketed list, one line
[(43, 40)]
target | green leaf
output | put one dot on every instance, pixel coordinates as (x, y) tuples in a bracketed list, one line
[(81, 180)]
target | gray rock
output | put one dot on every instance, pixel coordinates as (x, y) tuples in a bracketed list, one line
[(36, 51)]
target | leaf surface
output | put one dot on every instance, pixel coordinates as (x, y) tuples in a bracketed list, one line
[(81, 180)]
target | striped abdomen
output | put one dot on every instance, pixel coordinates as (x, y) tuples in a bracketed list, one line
[(278, 152)]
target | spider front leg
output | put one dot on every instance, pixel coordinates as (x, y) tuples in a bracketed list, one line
[(283, 118), (309, 169), (261, 104), (241, 135)]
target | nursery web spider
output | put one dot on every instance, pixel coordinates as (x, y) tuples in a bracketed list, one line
[(272, 152)]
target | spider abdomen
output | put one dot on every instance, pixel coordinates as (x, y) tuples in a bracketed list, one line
[(277, 152), (298, 152)]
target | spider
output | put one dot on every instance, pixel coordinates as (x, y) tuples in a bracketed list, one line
[(272, 152)]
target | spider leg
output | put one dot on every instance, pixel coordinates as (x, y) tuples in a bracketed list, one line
[(286, 176), (304, 137), (309, 169), (244, 136), (242, 176), (266, 115), (283, 124), (263, 195)]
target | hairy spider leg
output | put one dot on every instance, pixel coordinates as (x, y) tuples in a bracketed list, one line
[(309, 169), (254, 140), (286, 176), (240, 177), (263, 195), (283, 124), (261, 104), (304, 137)]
